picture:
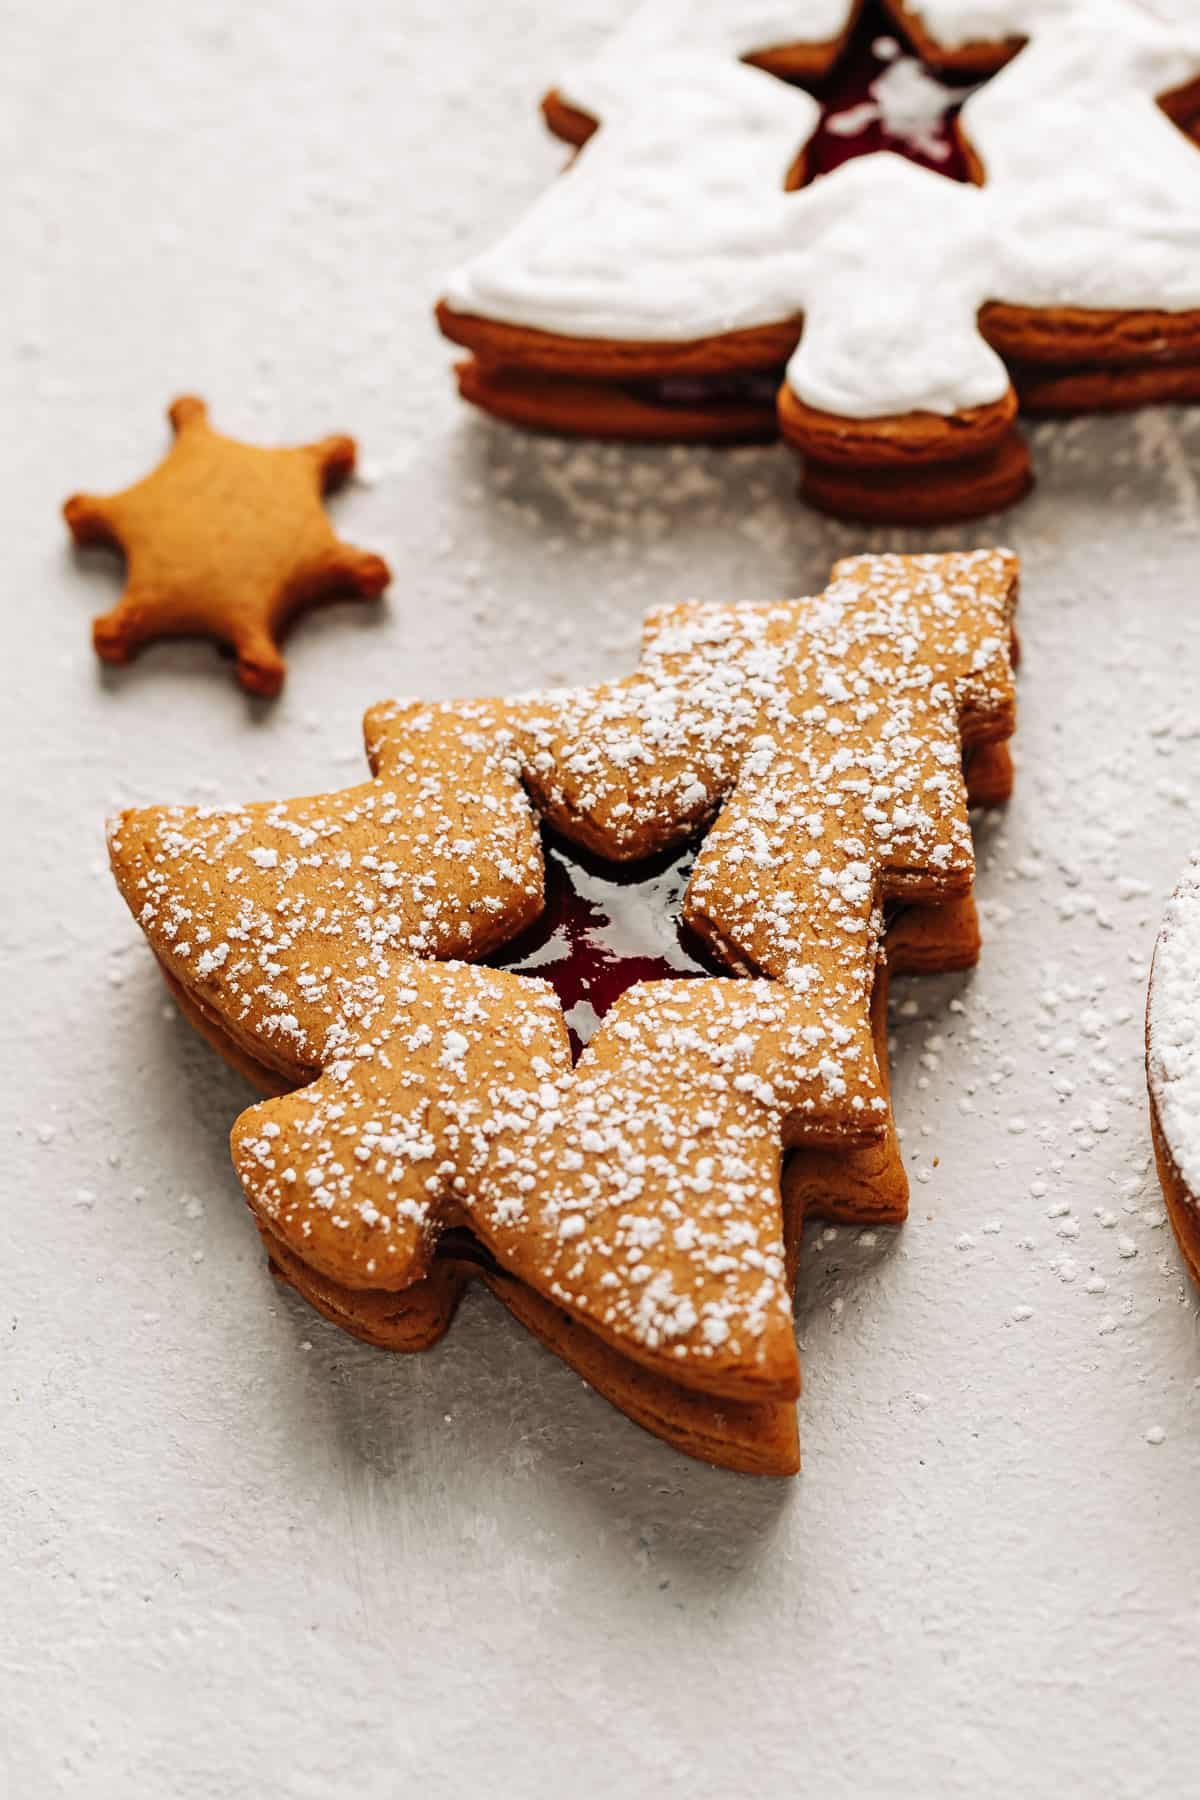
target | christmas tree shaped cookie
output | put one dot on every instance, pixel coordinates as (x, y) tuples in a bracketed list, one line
[(633, 1208), (723, 259)]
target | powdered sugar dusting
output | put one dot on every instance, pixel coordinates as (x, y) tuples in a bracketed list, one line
[(1173, 1037), (640, 1190)]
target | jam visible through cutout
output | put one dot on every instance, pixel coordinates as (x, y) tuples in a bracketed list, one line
[(879, 96), (606, 926)]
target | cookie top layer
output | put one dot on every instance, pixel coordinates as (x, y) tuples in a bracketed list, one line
[(820, 741), (1173, 1029), (673, 223)]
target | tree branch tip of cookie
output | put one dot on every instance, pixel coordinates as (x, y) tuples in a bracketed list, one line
[(86, 519), (336, 457), (367, 573), (111, 637), (260, 667), (187, 411)]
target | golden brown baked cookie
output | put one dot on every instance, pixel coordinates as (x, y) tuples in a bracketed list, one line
[(225, 540), (863, 1188), (628, 1206)]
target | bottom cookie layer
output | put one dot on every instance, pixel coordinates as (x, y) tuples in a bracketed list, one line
[(749, 1437), (734, 408), (926, 493), (410, 1320), (908, 471)]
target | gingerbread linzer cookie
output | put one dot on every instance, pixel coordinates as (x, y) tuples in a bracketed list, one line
[(1173, 1062), (225, 540), (398, 954), (722, 260)]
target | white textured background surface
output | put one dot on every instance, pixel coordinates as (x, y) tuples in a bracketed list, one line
[(242, 1555)]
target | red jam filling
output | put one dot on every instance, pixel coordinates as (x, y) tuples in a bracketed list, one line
[(871, 100), (604, 927), (855, 121)]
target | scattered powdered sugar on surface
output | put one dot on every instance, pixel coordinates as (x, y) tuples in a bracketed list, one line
[(1090, 1218)]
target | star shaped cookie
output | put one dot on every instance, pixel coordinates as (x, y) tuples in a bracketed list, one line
[(225, 540)]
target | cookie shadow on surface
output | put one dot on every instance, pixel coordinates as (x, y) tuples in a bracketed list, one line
[(489, 1411), (319, 632), (738, 509)]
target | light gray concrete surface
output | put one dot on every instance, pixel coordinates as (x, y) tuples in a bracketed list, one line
[(242, 1555)]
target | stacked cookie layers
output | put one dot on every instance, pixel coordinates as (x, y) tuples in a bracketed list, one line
[(695, 275), (635, 1209)]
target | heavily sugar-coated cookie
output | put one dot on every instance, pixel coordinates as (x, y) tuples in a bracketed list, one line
[(722, 259), (1173, 1062), (225, 540), (627, 1206), (858, 1188)]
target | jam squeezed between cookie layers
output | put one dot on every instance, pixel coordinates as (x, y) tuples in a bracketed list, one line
[(604, 927)]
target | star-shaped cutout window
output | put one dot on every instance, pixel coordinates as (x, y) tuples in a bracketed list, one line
[(881, 96)]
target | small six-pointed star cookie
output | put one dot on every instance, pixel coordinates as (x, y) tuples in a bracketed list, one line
[(225, 540)]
